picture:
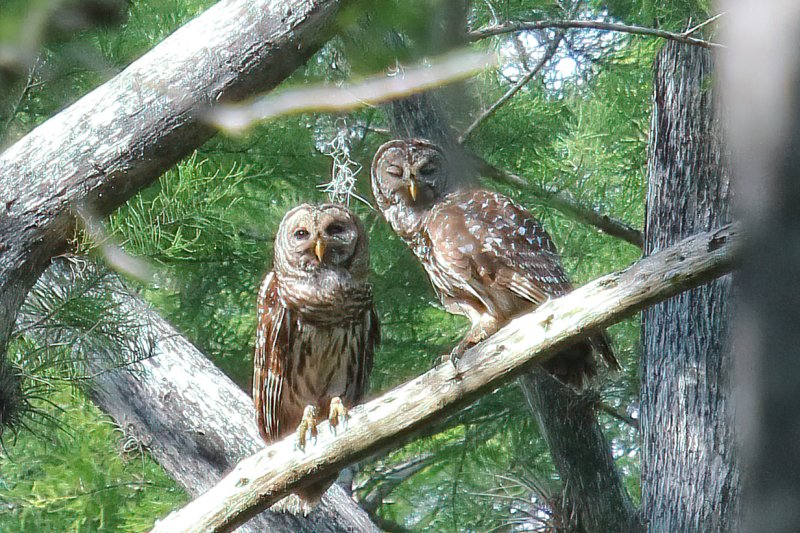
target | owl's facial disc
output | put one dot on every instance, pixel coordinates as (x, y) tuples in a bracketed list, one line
[(424, 180), (318, 237), (336, 241)]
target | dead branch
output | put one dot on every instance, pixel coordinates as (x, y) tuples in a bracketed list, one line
[(236, 118), (515, 26), (387, 421)]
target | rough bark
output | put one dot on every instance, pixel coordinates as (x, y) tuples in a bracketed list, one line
[(595, 498), (120, 137), (388, 420), (191, 418), (761, 76), (690, 478)]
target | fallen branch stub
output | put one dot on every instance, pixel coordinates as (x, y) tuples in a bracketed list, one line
[(385, 422)]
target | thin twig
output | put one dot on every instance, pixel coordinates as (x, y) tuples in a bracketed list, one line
[(619, 415), (513, 27), (695, 29), (22, 95), (548, 54)]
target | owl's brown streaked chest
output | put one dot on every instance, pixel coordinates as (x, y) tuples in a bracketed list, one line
[(322, 360)]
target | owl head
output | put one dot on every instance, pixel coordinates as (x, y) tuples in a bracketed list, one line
[(327, 237), (408, 178)]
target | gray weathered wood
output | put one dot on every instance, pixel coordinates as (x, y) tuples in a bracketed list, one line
[(120, 137), (386, 421), (690, 477), (191, 418)]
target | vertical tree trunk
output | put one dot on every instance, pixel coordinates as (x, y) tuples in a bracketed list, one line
[(595, 498), (690, 479)]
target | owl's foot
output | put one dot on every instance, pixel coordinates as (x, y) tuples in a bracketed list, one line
[(308, 425), (457, 352), (338, 413)]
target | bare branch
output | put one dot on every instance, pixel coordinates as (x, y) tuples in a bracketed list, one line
[(391, 479), (514, 27), (698, 27), (523, 81), (387, 421), (235, 118), (619, 414), (567, 204)]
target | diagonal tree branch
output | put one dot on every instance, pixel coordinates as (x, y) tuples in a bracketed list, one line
[(567, 204), (120, 137), (387, 421), (514, 27)]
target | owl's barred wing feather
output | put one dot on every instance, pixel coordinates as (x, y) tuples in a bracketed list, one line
[(357, 388), (270, 358), (501, 244), (494, 245)]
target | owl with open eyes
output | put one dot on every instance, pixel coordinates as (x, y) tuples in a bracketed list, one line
[(486, 256), (317, 329)]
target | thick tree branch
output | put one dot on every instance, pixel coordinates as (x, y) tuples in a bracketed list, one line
[(191, 418), (514, 27), (594, 495), (386, 421), (124, 134)]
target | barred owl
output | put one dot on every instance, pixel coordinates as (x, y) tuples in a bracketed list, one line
[(486, 256), (317, 329)]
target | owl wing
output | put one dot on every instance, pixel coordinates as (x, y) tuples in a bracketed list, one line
[(497, 244), (270, 357), (368, 339)]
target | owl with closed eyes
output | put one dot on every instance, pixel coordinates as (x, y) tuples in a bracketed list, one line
[(486, 256), (317, 328)]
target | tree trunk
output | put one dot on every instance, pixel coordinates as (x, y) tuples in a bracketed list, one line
[(191, 418), (389, 420), (120, 137), (762, 71), (690, 477), (595, 498)]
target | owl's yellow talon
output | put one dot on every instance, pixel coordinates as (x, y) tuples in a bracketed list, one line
[(307, 425), (338, 413)]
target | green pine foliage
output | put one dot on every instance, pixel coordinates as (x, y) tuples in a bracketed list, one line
[(81, 474), (207, 227)]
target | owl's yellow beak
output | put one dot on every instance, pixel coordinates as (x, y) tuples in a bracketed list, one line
[(319, 249), (412, 190)]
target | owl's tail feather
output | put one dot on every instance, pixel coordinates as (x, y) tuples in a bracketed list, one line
[(576, 365), (303, 500)]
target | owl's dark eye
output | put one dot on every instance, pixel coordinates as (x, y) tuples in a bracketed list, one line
[(395, 171), (335, 229), (301, 234), (428, 169)]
